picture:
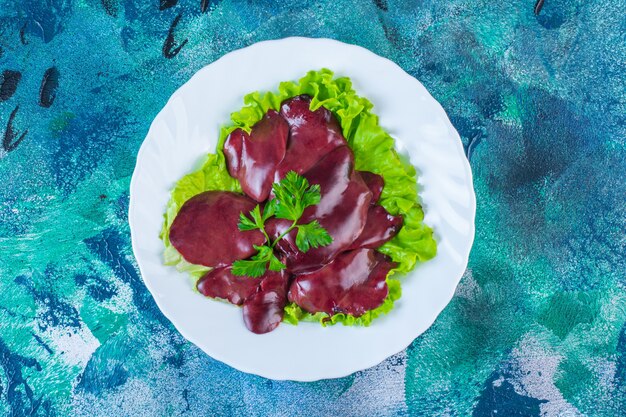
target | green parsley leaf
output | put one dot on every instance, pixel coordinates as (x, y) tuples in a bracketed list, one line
[(312, 196), (270, 209), (256, 265), (290, 192), (245, 223), (264, 253), (249, 267), (293, 194), (275, 264), (312, 235), (256, 216)]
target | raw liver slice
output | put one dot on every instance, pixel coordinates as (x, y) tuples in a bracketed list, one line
[(379, 228), (353, 284), (374, 182), (287, 245), (263, 299), (342, 211), (205, 230), (263, 311), (221, 283), (252, 158), (312, 135)]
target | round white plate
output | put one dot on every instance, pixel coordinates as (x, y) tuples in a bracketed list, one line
[(187, 128)]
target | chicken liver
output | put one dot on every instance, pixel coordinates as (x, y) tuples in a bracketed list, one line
[(263, 311), (252, 158), (342, 211), (353, 283), (379, 228), (205, 230), (312, 134), (221, 283)]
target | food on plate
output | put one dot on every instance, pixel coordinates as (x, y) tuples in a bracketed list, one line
[(352, 283), (312, 135), (342, 211), (221, 283), (374, 182), (380, 227), (263, 311), (304, 212), (205, 231), (252, 157)]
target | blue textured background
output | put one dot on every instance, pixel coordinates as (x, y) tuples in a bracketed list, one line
[(538, 324)]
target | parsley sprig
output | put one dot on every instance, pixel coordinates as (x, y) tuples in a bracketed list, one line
[(293, 195)]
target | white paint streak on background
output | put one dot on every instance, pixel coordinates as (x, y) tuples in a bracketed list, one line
[(535, 375), (75, 346), (384, 389)]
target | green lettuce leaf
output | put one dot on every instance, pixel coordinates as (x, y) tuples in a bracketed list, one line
[(374, 151)]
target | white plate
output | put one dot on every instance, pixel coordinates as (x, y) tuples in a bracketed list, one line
[(187, 128)]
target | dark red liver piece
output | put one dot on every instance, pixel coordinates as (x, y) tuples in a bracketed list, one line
[(342, 211), (312, 135), (205, 230), (353, 283), (287, 245), (253, 158), (221, 283), (379, 228), (374, 182), (263, 311)]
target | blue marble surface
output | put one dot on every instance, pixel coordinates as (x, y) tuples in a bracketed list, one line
[(538, 323)]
